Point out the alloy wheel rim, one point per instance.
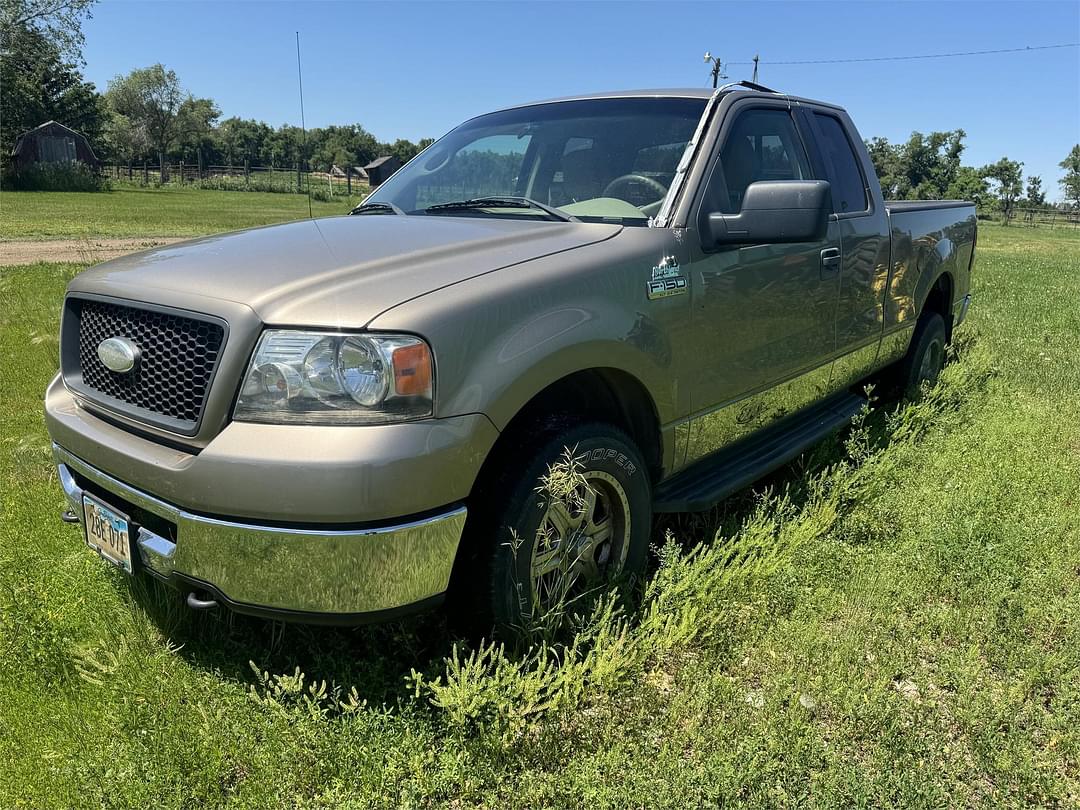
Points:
(582, 540)
(933, 359)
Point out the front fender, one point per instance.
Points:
(500, 339)
(498, 369)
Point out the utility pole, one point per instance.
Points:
(756, 57)
(717, 68)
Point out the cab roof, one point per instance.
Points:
(703, 93)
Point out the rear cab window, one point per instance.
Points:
(848, 184)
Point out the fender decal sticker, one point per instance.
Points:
(667, 280)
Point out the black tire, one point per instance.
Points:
(925, 357)
(508, 509)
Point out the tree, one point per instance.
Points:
(886, 160)
(39, 76)
(350, 145)
(237, 139)
(1007, 174)
(403, 149)
(1070, 183)
(969, 184)
(38, 86)
(921, 168)
(126, 140)
(59, 22)
(1034, 194)
(284, 147)
(152, 101)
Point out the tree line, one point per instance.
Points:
(928, 167)
(147, 115)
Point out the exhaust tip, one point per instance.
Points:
(195, 603)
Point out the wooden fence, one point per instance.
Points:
(1040, 217)
(268, 178)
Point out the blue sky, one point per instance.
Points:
(413, 69)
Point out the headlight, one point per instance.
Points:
(335, 378)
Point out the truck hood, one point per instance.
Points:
(334, 272)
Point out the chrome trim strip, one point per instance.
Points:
(960, 309)
(297, 569)
(716, 428)
(72, 490)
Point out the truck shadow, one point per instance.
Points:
(375, 659)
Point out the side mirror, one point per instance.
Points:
(775, 211)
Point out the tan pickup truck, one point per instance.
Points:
(345, 419)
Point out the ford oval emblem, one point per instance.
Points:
(118, 354)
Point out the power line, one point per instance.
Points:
(907, 58)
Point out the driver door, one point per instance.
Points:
(764, 315)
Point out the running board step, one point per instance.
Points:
(707, 482)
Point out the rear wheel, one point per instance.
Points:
(570, 514)
(925, 357)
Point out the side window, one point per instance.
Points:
(762, 145)
(848, 188)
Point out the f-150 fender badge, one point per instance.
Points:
(667, 279)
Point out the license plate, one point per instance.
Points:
(107, 532)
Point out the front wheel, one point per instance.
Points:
(572, 514)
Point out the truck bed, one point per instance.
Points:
(929, 238)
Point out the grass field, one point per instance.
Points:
(167, 211)
(894, 619)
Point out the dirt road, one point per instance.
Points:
(82, 251)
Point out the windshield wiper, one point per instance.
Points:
(501, 202)
(377, 208)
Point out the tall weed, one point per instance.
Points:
(69, 176)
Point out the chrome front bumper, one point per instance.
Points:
(298, 573)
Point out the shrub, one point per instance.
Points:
(282, 182)
(71, 176)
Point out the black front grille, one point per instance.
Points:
(177, 358)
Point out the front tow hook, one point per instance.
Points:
(195, 603)
(69, 517)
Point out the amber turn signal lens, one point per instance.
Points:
(412, 370)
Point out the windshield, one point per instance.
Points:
(596, 159)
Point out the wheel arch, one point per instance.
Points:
(939, 298)
(599, 393)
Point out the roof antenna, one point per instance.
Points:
(303, 125)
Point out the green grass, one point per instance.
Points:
(166, 211)
(892, 620)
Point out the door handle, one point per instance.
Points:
(830, 262)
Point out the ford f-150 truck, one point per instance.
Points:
(346, 419)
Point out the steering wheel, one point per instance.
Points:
(626, 179)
